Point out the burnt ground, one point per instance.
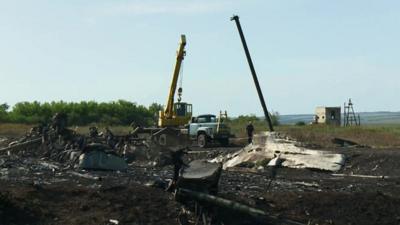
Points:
(75, 204)
(32, 192)
(356, 195)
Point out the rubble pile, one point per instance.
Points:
(268, 147)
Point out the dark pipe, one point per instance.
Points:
(253, 72)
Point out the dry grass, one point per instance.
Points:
(13, 130)
(378, 136)
(371, 135)
(238, 128)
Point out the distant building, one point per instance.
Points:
(327, 115)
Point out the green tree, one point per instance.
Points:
(3, 112)
(246, 118)
(275, 118)
(155, 108)
(119, 112)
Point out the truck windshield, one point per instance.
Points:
(206, 119)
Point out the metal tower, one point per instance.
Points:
(349, 116)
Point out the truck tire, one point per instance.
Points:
(202, 140)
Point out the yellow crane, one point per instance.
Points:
(179, 113)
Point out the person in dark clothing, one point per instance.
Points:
(177, 161)
(250, 130)
(93, 132)
(59, 122)
(109, 136)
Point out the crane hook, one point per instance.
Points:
(179, 94)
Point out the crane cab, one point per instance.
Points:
(182, 113)
(183, 109)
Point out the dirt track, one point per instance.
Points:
(44, 196)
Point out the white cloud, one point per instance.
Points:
(165, 7)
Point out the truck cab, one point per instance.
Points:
(209, 128)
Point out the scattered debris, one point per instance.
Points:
(267, 145)
(346, 143)
(200, 175)
(87, 176)
(361, 176)
(96, 157)
(114, 221)
(277, 161)
(197, 189)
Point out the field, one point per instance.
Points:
(13, 130)
(377, 136)
(364, 192)
(374, 135)
(367, 118)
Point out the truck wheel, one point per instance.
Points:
(202, 140)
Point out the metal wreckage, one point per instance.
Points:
(56, 148)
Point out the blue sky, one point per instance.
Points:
(306, 53)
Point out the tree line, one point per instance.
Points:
(119, 112)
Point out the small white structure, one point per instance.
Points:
(327, 115)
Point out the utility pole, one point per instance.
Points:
(253, 72)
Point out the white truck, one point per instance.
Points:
(207, 129)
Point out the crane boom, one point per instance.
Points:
(176, 114)
(179, 58)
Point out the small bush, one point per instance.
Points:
(300, 123)
(275, 116)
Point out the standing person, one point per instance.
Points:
(109, 136)
(177, 161)
(250, 130)
(59, 122)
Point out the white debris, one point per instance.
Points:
(50, 166)
(277, 161)
(3, 140)
(114, 221)
(283, 152)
